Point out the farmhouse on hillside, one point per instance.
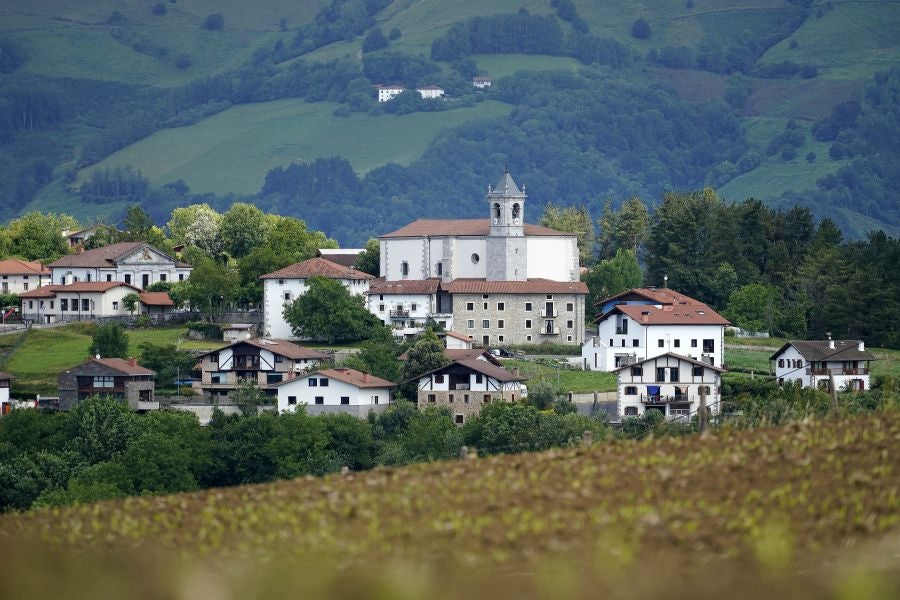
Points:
(116, 377)
(814, 363)
(645, 322)
(135, 263)
(669, 383)
(335, 391)
(497, 280)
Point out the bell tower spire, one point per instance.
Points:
(506, 244)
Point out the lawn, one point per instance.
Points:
(233, 150)
(569, 380)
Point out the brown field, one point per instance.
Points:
(803, 511)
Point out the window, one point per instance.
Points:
(87, 277)
(374, 399)
(568, 338)
(287, 296)
(527, 338)
(501, 306)
(404, 268)
(549, 296)
(479, 378)
(660, 343)
(25, 286)
(103, 381)
(320, 399)
(381, 308)
(528, 323)
(279, 358)
(637, 371)
(678, 343)
(673, 373)
(323, 382)
(432, 397)
(85, 304)
(631, 390)
(466, 398)
(470, 324)
(470, 306)
(273, 378)
(115, 305)
(780, 363)
(214, 357)
(631, 411)
(345, 399)
(500, 338)
(698, 371)
(31, 304)
(485, 296)
(52, 303)
(128, 279)
(571, 324)
(313, 382)
(660, 373)
(570, 306)
(475, 258)
(635, 343)
(109, 276)
(439, 268)
(528, 306)
(693, 343)
(73, 306)
(281, 282)
(459, 419)
(450, 398)
(487, 398)
(439, 379)
(162, 276)
(485, 324)
(181, 277)
(709, 346)
(484, 306)
(292, 400)
(500, 324)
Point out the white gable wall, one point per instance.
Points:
(331, 394)
(279, 292)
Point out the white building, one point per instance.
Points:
(136, 263)
(458, 341)
(430, 92)
(84, 300)
(465, 386)
(282, 287)
(389, 92)
(669, 383)
(482, 82)
(17, 276)
(646, 322)
(814, 363)
(335, 390)
(498, 280)
(5, 403)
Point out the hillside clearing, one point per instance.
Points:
(755, 507)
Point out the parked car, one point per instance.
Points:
(502, 353)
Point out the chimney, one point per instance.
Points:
(830, 343)
(665, 282)
(132, 361)
(365, 378)
(862, 346)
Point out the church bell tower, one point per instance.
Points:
(506, 245)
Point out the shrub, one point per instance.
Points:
(641, 29)
(183, 61)
(214, 22)
(159, 8)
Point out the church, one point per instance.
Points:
(498, 280)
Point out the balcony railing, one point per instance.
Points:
(399, 314)
(549, 331)
(621, 330)
(459, 386)
(664, 399)
(837, 372)
(549, 314)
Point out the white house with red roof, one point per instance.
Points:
(85, 301)
(498, 280)
(642, 323)
(136, 263)
(669, 383)
(282, 287)
(335, 390)
(17, 276)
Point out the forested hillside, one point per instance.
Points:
(113, 103)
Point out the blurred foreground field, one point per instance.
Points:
(807, 510)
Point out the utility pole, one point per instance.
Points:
(834, 399)
(701, 414)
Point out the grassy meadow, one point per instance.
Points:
(807, 510)
(233, 150)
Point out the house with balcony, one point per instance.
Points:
(668, 383)
(338, 390)
(282, 287)
(645, 322)
(465, 386)
(17, 276)
(122, 379)
(497, 280)
(137, 264)
(263, 360)
(815, 363)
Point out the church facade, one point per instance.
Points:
(498, 279)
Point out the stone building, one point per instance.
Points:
(117, 377)
(465, 386)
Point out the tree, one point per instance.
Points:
(374, 40)
(755, 307)
(183, 217)
(625, 228)
(291, 241)
(378, 355)
(641, 29)
(542, 394)
(110, 341)
(101, 427)
(259, 262)
(214, 22)
(38, 236)
(611, 276)
(329, 311)
(248, 397)
(131, 301)
(426, 355)
(210, 286)
(573, 219)
(137, 224)
(369, 260)
(167, 361)
(244, 227)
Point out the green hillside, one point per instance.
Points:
(233, 150)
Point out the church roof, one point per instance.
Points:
(530, 286)
(506, 186)
(462, 227)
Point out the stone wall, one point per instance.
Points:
(514, 317)
(455, 400)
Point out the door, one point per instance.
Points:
(486, 340)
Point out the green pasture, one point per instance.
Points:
(233, 150)
(501, 65)
(570, 380)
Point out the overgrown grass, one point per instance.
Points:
(566, 379)
(233, 150)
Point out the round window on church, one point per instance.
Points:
(475, 258)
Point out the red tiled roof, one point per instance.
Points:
(405, 286)
(15, 266)
(357, 378)
(317, 266)
(459, 336)
(462, 227)
(123, 366)
(686, 314)
(654, 295)
(531, 286)
(79, 286)
(104, 256)
(156, 299)
(673, 355)
(457, 354)
(45, 291)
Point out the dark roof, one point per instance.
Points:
(673, 355)
(650, 314)
(104, 256)
(506, 187)
(79, 286)
(456, 354)
(654, 295)
(819, 350)
(277, 346)
(530, 286)
(316, 266)
(346, 257)
(404, 286)
(121, 365)
(481, 366)
(351, 376)
(462, 227)
(6, 376)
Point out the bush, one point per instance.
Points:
(641, 29)
(159, 8)
(214, 22)
(811, 157)
(183, 61)
(394, 34)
